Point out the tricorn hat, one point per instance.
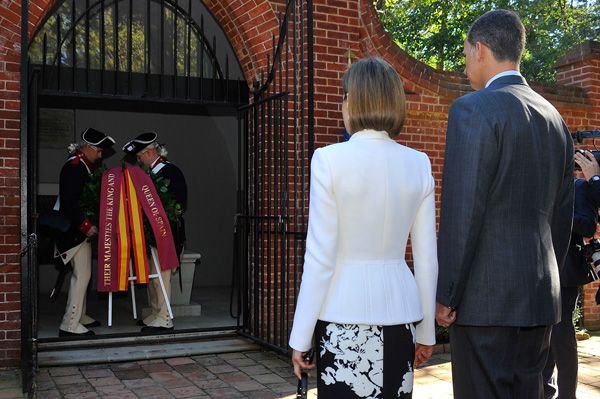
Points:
(96, 138)
(140, 142)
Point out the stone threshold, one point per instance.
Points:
(160, 348)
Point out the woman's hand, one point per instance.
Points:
(299, 363)
(422, 354)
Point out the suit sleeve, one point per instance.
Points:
(71, 182)
(423, 241)
(319, 259)
(585, 215)
(562, 217)
(595, 192)
(470, 165)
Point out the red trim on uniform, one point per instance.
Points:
(87, 161)
(85, 226)
(80, 157)
(76, 160)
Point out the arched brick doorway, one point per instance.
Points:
(70, 68)
(104, 64)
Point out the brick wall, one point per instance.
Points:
(249, 25)
(342, 29)
(9, 183)
(10, 201)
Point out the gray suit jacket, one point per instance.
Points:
(507, 207)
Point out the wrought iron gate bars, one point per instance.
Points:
(271, 224)
(28, 229)
(220, 90)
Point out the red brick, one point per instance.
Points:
(10, 287)
(11, 277)
(13, 335)
(10, 325)
(12, 297)
(9, 306)
(13, 315)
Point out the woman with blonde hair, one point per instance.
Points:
(372, 319)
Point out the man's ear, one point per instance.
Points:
(480, 51)
(484, 53)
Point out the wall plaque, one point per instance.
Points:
(56, 128)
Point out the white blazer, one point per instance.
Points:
(366, 196)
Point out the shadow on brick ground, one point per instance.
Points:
(256, 374)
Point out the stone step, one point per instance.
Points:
(127, 353)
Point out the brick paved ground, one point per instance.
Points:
(235, 375)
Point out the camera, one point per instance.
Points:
(591, 251)
(595, 153)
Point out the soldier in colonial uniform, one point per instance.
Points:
(74, 246)
(153, 155)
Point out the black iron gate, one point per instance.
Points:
(276, 143)
(142, 55)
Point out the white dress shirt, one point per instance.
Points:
(366, 196)
(510, 72)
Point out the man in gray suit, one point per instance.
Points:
(506, 214)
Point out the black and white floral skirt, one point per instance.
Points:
(354, 362)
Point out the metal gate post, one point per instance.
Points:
(28, 243)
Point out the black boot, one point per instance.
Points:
(94, 323)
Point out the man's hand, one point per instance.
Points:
(299, 363)
(444, 315)
(588, 164)
(422, 354)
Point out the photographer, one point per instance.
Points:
(563, 344)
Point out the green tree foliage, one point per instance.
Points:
(433, 31)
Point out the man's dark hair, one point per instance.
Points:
(501, 31)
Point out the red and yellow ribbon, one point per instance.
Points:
(125, 192)
(137, 231)
(124, 241)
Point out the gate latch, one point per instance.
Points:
(31, 242)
